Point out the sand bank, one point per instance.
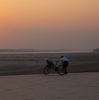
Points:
(19, 64)
(73, 86)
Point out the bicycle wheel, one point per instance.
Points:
(60, 70)
(47, 70)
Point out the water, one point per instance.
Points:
(45, 52)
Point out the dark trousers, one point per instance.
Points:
(65, 66)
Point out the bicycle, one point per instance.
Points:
(56, 68)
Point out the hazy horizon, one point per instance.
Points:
(49, 24)
(45, 49)
(1, 49)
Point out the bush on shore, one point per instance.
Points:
(96, 50)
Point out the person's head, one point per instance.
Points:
(62, 56)
(45, 59)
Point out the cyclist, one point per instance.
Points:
(65, 63)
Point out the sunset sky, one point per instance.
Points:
(49, 24)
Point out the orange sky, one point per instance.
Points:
(46, 14)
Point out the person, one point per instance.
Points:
(65, 63)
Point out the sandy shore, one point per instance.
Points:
(74, 86)
(22, 78)
(22, 64)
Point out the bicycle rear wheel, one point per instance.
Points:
(60, 70)
(47, 70)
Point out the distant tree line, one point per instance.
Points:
(96, 50)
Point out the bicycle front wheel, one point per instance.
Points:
(47, 70)
(60, 70)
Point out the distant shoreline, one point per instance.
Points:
(33, 51)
